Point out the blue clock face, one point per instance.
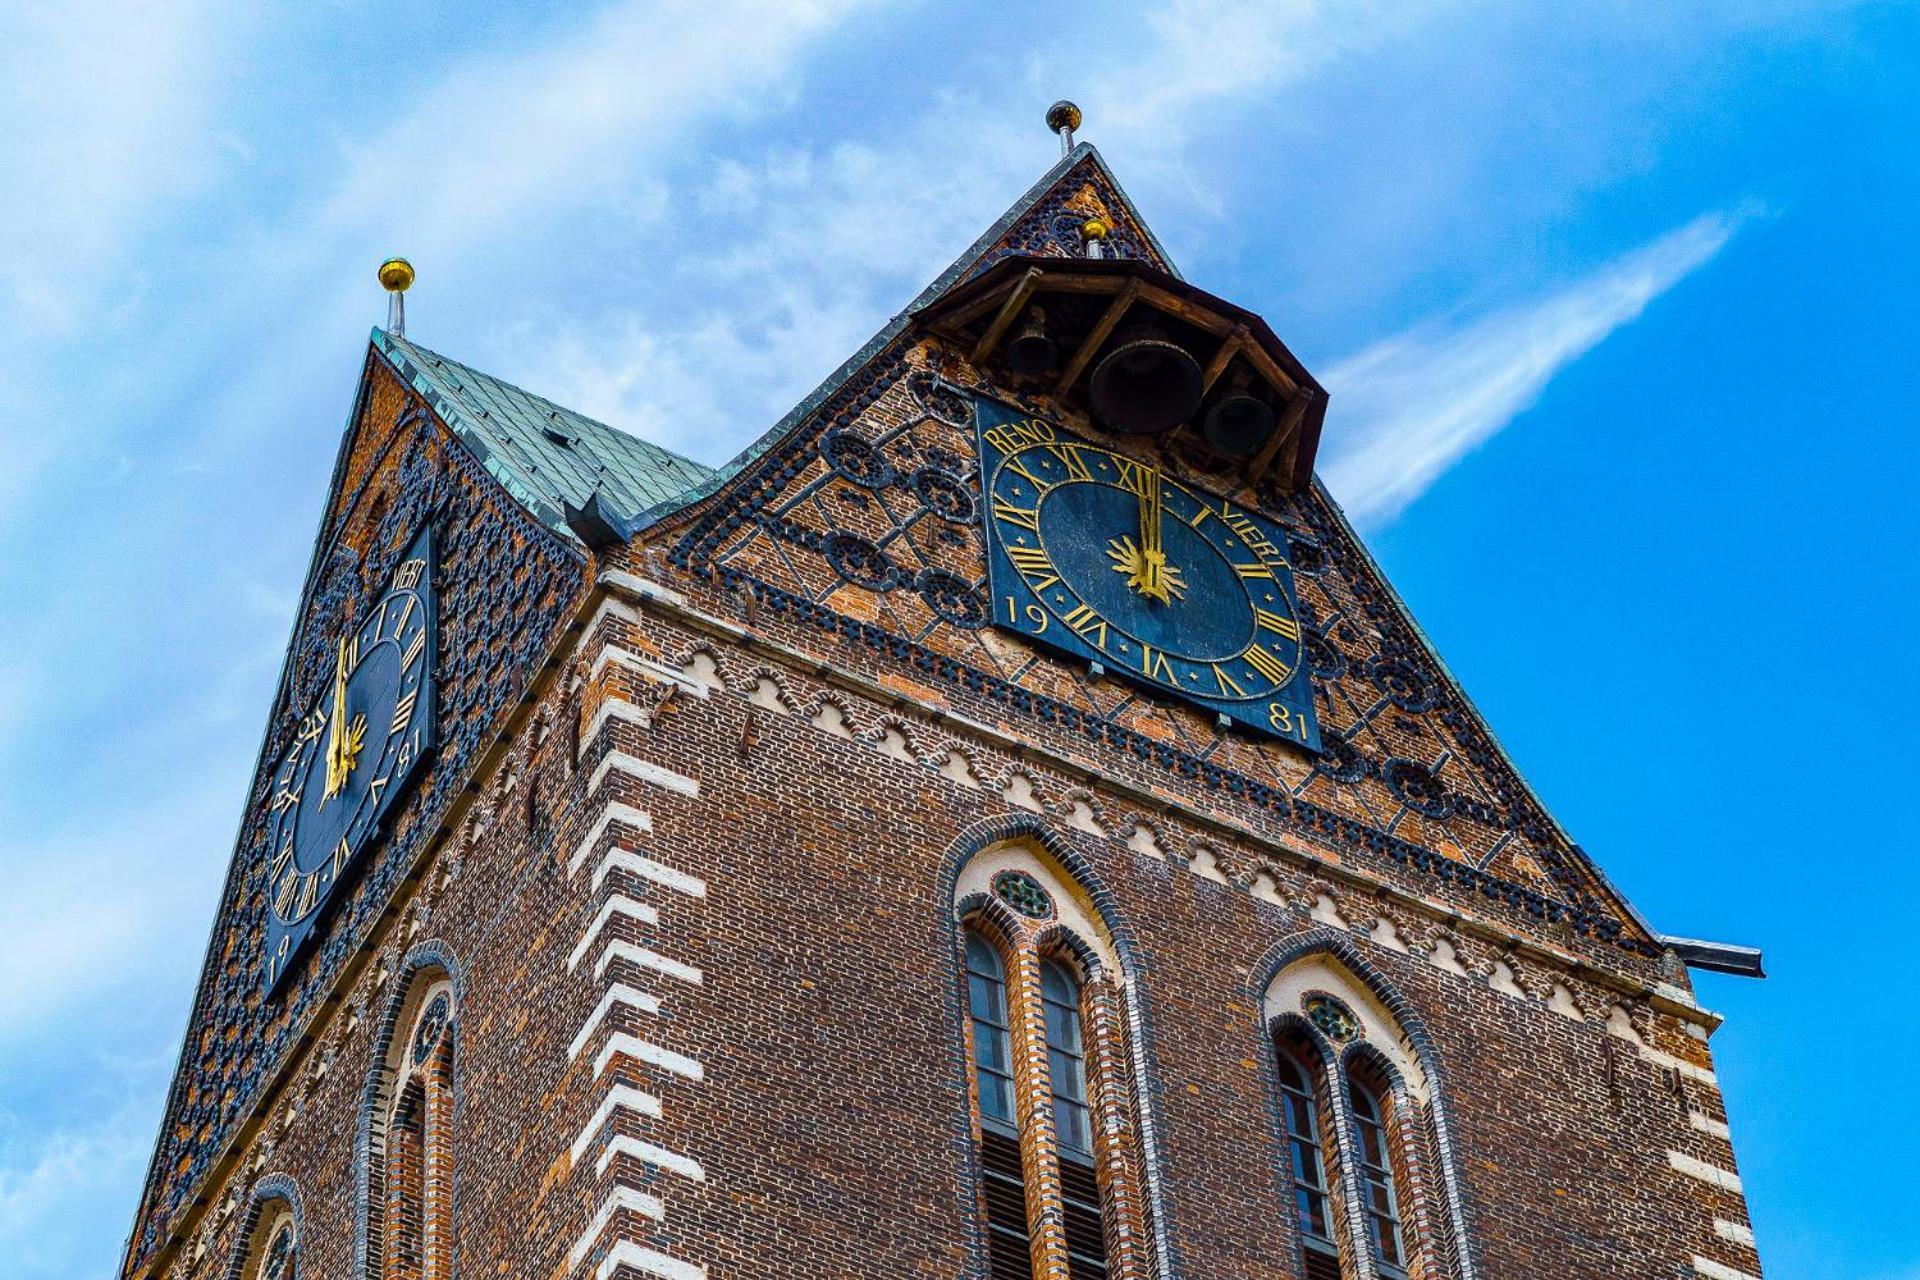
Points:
(354, 756)
(1099, 554)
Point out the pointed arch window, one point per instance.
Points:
(1061, 1178)
(992, 1041)
(1060, 998)
(1379, 1197)
(1307, 1162)
(1009, 1244)
(1359, 1109)
(272, 1250)
(410, 1152)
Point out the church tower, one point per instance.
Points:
(1000, 825)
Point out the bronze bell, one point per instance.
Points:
(1145, 384)
(1238, 422)
(1032, 352)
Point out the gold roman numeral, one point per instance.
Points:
(283, 894)
(1019, 468)
(1070, 459)
(1268, 620)
(309, 886)
(1229, 687)
(1087, 624)
(413, 649)
(1267, 665)
(1136, 477)
(403, 713)
(1027, 518)
(1255, 570)
(1033, 562)
(1206, 509)
(341, 853)
(1154, 665)
(350, 652)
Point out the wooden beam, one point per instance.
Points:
(1199, 317)
(1101, 331)
(1065, 281)
(1008, 311)
(1274, 373)
(1288, 428)
(1222, 358)
(960, 317)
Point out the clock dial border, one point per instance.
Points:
(1039, 590)
(298, 901)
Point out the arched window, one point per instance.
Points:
(1379, 1201)
(1072, 1121)
(1009, 1245)
(270, 1245)
(1361, 1109)
(410, 1151)
(1307, 1162)
(1062, 1173)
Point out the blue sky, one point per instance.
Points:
(1616, 302)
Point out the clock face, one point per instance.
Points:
(1099, 554)
(353, 758)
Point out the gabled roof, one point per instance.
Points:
(546, 456)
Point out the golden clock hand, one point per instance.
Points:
(337, 726)
(1152, 538)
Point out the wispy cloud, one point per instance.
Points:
(109, 107)
(1407, 408)
(54, 1180)
(816, 246)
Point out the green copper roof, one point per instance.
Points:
(545, 455)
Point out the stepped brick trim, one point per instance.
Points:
(618, 904)
(1693, 1167)
(621, 1097)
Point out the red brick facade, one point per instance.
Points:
(696, 900)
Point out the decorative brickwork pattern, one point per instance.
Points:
(712, 813)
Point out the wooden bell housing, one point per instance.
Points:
(1140, 352)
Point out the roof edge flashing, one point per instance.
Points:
(1716, 957)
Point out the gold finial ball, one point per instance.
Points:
(1063, 115)
(1096, 228)
(396, 275)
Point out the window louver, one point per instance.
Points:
(1008, 1252)
(1086, 1238)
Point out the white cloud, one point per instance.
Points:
(55, 1182)
(92, 906)
(110, 105)
(829, 241)
(1406, 409)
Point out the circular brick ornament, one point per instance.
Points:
(855, 458)
(942, 494)
(1335, 1021)
(952, 597)
(1023, 893)
(283, 1257)
(433, 1024)
(861, 563)
(1417, 787)
(1404, 685)
(939, 400)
